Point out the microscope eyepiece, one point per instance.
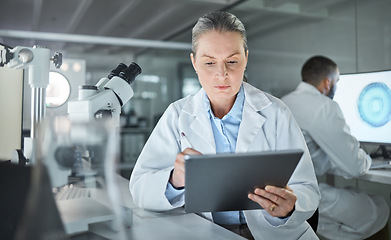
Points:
(117, 70)
(130, 73)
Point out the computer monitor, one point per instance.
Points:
(365, 100)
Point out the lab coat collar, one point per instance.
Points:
(306, 87)
(194, 103)
(258, 100)
(236, 110)
(252, 119)
(195, 107)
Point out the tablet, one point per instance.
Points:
(221, 182)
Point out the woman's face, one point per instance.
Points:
(220, 62)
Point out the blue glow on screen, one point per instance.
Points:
(374, 104)
(365, 101)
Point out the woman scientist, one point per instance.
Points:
(227, 115)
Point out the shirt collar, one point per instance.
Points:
(304, 86)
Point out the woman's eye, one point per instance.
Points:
(232, 62)
(209, 63)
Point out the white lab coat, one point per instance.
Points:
(266, 125)
(344, 213)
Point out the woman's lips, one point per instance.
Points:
(222, 87)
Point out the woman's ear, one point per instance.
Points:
(193, 61)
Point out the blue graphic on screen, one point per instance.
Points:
(365, 102)
(374, 104)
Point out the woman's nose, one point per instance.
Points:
(221, 71)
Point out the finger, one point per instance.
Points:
(288, 188)
(281, 196)
(285, 193)
(180, 162)
(269, 206)
(284, 202)
(180, 158)
(177, 178)
(268, 195)
(263, 202)
(191, 151)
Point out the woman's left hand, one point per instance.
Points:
(278, 202)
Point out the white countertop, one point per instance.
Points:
(147, 225)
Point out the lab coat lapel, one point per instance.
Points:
(200, 124)
(252, 119)
(249, 128)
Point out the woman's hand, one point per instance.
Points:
(177, 178)
(278, 202)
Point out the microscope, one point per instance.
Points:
(85, 148)
(61, 147)
(37, 61)
(93, 106)
(79, 143)
(104, 100)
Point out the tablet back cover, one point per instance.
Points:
(221, 182)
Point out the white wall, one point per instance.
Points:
(276, 56)
(374, 35)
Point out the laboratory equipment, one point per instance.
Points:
(73, 140)
(64, 82)
(82, 151)
(36, 60)
(81, 158)
(105, 99)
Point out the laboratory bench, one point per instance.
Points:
(378, 176)
(148, 225)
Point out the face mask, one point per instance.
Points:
(332, 91)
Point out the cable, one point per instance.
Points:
(381, 152)
(385, 154)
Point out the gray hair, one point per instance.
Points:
(218, 21)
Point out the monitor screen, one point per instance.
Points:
(365, 100)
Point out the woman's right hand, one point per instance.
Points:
(177, 178)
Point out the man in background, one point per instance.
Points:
(343, 213)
